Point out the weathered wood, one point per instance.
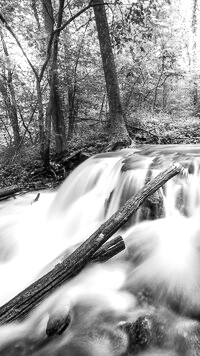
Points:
(21, 305)
(36, 199)
(7, 192)
(73, 159)
(109, 250)
(58, 322)
(104, 253)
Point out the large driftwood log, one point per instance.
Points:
(7, 192)
(25, 301)
(104, 253)
(108, 250)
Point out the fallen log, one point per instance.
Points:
(7, 192)
(69, 161)
(108, 250)
(57, 322)
(104, 253)
(29, 298)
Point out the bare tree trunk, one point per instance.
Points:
(48, 16)
(102, 105)
(164, 97)
(43, 151)
(58, 123)
(71, 111)
(194, 53)
(72, 91)
(56, 103)
(34, 7)
(54, 114)
(116, 125)
(9, 95)
(156, 90)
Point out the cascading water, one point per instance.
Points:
(144, 301)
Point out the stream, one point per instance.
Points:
(144, 301)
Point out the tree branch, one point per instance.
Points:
(57, 30)
(75, 16)
(19, 44)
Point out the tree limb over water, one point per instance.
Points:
(24, 302)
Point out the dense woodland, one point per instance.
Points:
(82, 76)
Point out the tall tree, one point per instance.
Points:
(38, 78)
(8, 92)
(194, 51)
(54, 109)
(117, 127)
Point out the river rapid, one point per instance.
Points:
(144, 301)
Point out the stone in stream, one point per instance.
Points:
(186, 336)
(57, 324)
(147, 331)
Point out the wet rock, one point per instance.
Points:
(145, 332)
(187, 338)
(57, 324)
(153, 208)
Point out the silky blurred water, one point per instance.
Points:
(157, 275)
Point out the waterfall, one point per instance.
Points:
(153, 286)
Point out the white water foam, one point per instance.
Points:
(163, 257)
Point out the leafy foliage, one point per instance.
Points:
(153, 43)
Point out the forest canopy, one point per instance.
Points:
(56, 85)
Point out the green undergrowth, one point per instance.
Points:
(24, 167)
(162, 128)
